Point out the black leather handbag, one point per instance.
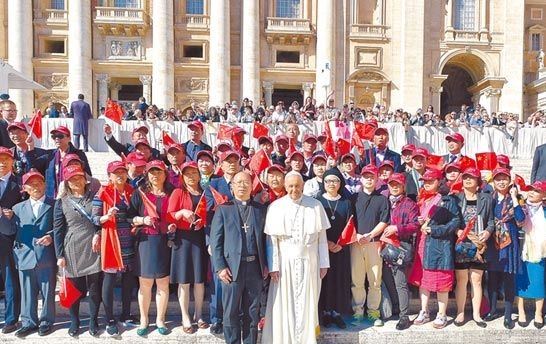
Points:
(398, 256)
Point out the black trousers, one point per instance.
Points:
(127, 286)
(242, 296)
(497, 279)
(92, 284)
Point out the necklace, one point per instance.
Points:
(245, 225)
(333, 217)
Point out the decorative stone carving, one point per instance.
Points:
(369, 57)
(193, 85)
(124, 49)
(540, 58)
(145, 79)
(54, 81)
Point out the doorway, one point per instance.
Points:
(287, 96)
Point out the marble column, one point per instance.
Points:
(102, 89)
(250, 51)
(219, 57)
(449, 16)
(268, 92)
(163, 53)
(114, 91)
(436, 90)
(325, 49)
(483, 15)
(492, 99)
(80, 72)
(20, 51)
(146, 81)
(307, 90)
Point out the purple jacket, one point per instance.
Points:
(404, 215)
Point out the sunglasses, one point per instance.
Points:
(58, 136)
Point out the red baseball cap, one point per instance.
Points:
(539, 185)
(7, 151)
(72, 171)
(69, 158)
(31, 174)
(386, 163)
(432, 174)
(189, 164)
(229, 153)
(196, 125)
(504, 160)
(177, 146)
(18, 125)
(457, 137)
(143, 142)
(281, 137)
(501, 170)
(398, 178)
(454, 165)
(156, 164)
(409, 147)
(201, 153)
(317, 157)
(61, 130)
(348, 155)
(291, 156)
(238, 130)
(224, 147)
(264, 139)
(381, 129)
(369, 169)
(473, 172)
(309, 136)
(420, 152)
(136, 159)
(115, 165)
(276, 167)
(141, 128)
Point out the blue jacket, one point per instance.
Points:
(389, 155)
(439, 251)
(29, 255)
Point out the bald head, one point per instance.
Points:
(241, 186)
(293, 183)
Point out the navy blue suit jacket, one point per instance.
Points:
(226, 236)
(538, 171)
(389, 155)
(125, 149)
(29, 255)
(10, 197)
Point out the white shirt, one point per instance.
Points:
(4, 182)
(36, 204)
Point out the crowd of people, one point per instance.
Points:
(289, 237)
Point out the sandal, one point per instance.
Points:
(188, 330)
(202, 324)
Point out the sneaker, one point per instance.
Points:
(422, 318)
(403, 324)
(439, 322)
(375, 319)
(112, 328)
(358, 318)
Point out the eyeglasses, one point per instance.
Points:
(331, 181)
(9, 110)
(242, 183)
(58, 136)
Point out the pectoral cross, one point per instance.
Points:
(245, 227)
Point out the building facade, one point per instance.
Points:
(397, 53)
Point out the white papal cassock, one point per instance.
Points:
(297, 248)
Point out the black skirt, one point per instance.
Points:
(152, 256)
(189, 257)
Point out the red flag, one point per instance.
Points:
(167, 139)
(392, 239)
(466, 162)
(343, 147)
(224, 132)
(257, 185)
(113, 111)
(237, 142)
(435, 161)
(486, 161)
(259, 130)
(365, 130)
(36, 124)
(68, 293)
(149, 205)
(330, 147)
(456, 187)
(259, 162)
(466, 230)
(201, 210)
(218, 197)
(520, 182)
(356, 141)
(291, 146)
(348, 236)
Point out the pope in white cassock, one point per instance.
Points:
(298, 259)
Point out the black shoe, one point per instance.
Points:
(491, 316)
(44, 330)
(25, 331)
(523, 323)
(538, 325)
(481, 323)
(129, 321)
(403, 323)
(112, 328)
(74, 330)
(508, 324)
(326, 320)
(9, 328)
(338, 320)
(93, 328)
(217, 328)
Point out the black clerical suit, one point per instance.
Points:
(238, 243)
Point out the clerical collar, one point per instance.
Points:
(239, 202)
(330, 198)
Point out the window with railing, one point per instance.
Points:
(57, 5)
(536, 41)
(464, 15)
(195, 7)
(288, 8)
(126, 3)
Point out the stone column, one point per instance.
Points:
(163, 53)
(325, 48)
(114, 91)
(493, 96)
(102, 89)
(436, 90)
(268, 92)
(80, 72)
(483, 15)
(354, 14)
(146, 81)
(219, 57)
(307, 90)
(20, 51)
(250, 51)
(449, 16)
